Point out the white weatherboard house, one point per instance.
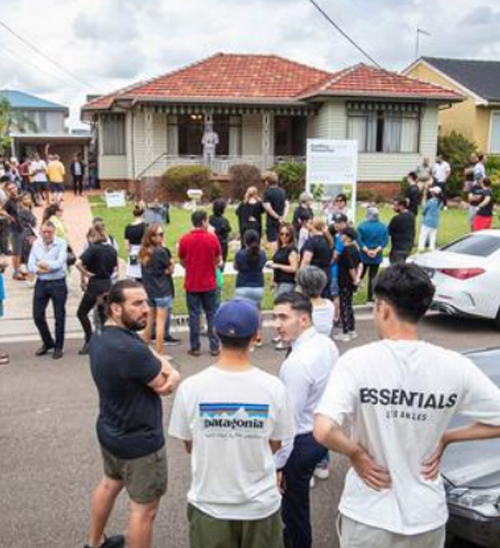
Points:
(263, 108)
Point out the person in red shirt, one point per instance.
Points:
(200, 253)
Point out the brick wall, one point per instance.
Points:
(150, 188)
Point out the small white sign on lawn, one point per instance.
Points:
(115, 198)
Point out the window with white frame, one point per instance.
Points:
(495, 133)
(113, 135)
(384, 127)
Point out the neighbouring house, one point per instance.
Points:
(263, 108)
(43, 123)
(478, 117)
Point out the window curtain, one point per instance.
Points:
(392, 133)
(113, 136)
(409, 134)
(357, 131)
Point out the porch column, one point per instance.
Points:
(266, 140)
(148, 137)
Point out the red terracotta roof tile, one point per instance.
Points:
(269, 77)
(366, 80)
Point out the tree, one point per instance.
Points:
(12, 119)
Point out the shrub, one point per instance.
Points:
(179, 179)
(292, 177)
(364, 195)
(456, 150)
(243, 176)
(492, 164)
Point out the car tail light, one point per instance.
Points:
(462, 273)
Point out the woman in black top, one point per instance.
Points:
(221, 227)
(318, 251)
(285, 261)
(97, 264)
(249, 213)
(134, 232)
(157, 269)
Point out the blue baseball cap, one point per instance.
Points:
(238, 318)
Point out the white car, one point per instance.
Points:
(466, 274)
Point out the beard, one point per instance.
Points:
(134, 324)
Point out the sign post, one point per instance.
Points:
(332, 168)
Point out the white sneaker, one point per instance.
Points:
(311, 483)
(281, 346)
(342, 337)
(322, 472)
(276, 340)
(353, 334)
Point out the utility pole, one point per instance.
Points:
(417, 44)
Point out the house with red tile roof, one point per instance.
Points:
(262, 109)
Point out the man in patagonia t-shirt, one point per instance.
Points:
(232, 417)
(400, 394)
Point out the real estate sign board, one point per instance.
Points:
(332, 168)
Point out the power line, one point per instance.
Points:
(31, 63)
(344, 34)
(41, 53)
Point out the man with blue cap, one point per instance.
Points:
(232, 417)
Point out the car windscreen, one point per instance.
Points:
(477, 245)
(475, 464)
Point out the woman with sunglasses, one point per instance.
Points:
(157, 268)
(285, 265)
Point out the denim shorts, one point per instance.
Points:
(161, 302)
(255, 294)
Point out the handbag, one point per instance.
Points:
(71, 257)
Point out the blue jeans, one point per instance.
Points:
(207, 301)
(57, 292)
(297, 474)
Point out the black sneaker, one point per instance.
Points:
(58, 354)
(116, 541)
(172, 341)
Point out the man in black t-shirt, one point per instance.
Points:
(402, 232)
(276, 206)
(10, 211)
(130, 379)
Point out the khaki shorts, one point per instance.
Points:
(145, 478)
(353, 534)
(208, 532)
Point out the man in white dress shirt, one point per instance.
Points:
(305, 373)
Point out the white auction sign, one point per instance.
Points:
(115, 198)
(332, 168)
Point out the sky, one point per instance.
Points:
(109, 44)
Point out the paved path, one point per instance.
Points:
(17, 324)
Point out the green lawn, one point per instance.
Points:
(453, 225)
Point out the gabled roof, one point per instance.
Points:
(480, 77)
(25, 101)
(367, 81)
(270, 79)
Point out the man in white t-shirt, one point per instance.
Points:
(232, 417)
(38, 170)
(400, 394)
(305, 373)
(441, 172)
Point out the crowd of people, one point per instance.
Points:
(256, 441)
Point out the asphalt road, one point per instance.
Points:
(49, 459)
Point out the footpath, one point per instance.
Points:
(17, 324)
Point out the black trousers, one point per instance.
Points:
(57, 292)
(346, 309)
(78, 184)
(89, 300)
(372, 270)
(295, 506)
(398, 256)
